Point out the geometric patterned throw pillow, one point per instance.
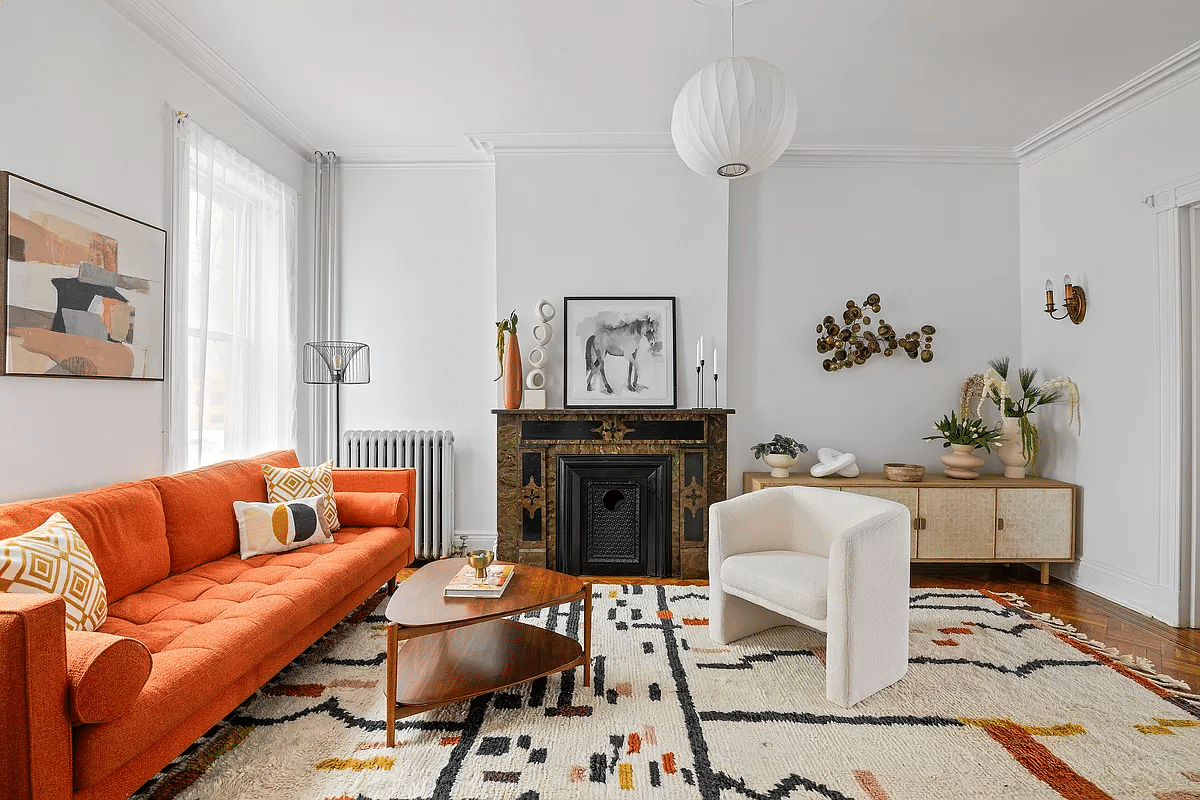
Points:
(292, 483)
(279, 527)
(54, 559)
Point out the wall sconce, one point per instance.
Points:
(1074, 301)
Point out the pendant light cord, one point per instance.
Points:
(732, 50)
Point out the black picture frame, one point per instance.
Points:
(647, 379)
(118, 331)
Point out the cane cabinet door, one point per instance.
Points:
(956, 523)
(1035, 523)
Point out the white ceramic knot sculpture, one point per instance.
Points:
(832, 461)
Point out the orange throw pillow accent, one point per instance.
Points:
(105, 673)
(370, 509)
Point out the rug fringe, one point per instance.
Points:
(1143, 666)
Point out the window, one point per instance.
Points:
(233, 375)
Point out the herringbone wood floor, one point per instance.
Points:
(1173, 651)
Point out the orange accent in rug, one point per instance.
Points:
(870, 785)
(1042, 764)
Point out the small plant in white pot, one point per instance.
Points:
(963, 436)
(780, 454)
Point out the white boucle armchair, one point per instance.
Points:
(833, 561)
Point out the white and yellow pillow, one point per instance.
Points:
(54, 559)
(293, 483)
(279, 527)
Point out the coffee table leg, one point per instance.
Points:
(393, 632)
(587, 634)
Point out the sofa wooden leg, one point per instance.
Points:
(391, 586)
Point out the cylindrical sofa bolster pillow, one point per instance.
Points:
(105, 673)
(368, 509)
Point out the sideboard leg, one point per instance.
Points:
(1045, 572)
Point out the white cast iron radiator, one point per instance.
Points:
(431, 453)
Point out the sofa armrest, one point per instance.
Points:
(402, 481)
(868, 605)
(35, 739)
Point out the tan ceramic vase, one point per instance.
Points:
(961, 462)
(514, 380)
(1009, 448)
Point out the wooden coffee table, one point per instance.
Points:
(459, 647)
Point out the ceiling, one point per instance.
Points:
(974, 73)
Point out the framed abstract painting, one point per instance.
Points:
(619, 352)
(82, 288)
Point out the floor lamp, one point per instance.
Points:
(337, 363)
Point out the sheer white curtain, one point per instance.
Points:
(326, 295)
(233, 307)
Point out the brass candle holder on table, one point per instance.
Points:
(480, 560)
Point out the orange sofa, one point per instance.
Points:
(192, 629)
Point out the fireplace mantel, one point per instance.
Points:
(529, 441)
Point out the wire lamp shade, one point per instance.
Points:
(337, 362)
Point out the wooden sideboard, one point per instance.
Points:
(989, 519)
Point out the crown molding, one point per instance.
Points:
(575, 143)
(492, 144)
(1162, 79)
(411, 157)
(851, 155)
(153, 19)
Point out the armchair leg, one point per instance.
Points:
(731, 618)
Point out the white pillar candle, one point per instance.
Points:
(697, 355)
(715, 370)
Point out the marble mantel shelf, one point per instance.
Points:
(550, 412)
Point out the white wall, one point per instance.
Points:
(1082, 213)
(938, 242)
(419, 287)
(620, 223)
(85, 112)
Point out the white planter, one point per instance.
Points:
(779, 463)
(1009, 448)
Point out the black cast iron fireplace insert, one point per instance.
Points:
(614, 515)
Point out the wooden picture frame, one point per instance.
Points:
(619, 352)
(83, 289)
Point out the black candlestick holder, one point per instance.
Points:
(700, 385)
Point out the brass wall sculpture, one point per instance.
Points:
(853, 343)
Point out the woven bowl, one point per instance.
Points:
(906, 473)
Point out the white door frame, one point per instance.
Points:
(1174, 206)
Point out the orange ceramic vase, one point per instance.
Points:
(514, 381)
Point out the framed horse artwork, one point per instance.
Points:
(619, 352)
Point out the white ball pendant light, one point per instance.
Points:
(736, 116)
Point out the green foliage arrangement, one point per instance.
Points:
(509, 325)
(996, 389)
(779, 445)
(965, 431)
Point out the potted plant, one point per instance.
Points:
(963, 436)
(780, 454)
(1015, 411)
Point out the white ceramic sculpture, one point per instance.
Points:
(535, 379)
(830, 462)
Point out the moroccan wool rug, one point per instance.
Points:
(999, 702)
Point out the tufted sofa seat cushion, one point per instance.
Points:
(219, 620)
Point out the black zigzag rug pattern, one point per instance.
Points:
(999, 702)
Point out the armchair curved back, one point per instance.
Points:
(820, 515)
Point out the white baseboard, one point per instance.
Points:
(1158, 602)
(476, 540)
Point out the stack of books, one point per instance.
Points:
(465, 584)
